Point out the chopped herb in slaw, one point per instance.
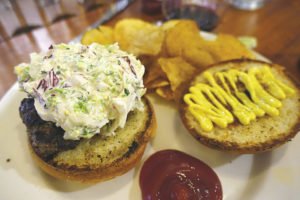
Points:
(86, 90)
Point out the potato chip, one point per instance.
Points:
(165, 92)
(138, 37)
(188, 44)
(147, 60)
(102, 35)
(182, 35)
(159, 82)
(169, 24)
(166, 27)
(153, 72)
(229, 47)
(224, 47)
(177, 70)
(198, 57)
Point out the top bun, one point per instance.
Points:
(262, 134)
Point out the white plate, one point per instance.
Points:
(272, 175)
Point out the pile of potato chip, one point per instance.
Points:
(171, 53)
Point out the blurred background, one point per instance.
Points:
(23, 16)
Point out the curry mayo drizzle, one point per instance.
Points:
(236, 94)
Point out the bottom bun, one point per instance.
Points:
(102, 158)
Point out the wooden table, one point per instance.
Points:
(276, 26)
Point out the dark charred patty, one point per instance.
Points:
(46, 138)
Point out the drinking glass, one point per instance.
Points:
(151, 6)
(204, 12)
(248, 4)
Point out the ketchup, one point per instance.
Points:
(174, 175)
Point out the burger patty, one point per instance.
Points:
(44, 136)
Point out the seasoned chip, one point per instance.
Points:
(182, 35)
(159, 82)
(166, 27)
(169, 24)
(102, 35)
(147, 60)
(139, 37)
(153, 72)
(165, 92)
(177, 70)
(229, 47)
(198, 56)
(225, 47)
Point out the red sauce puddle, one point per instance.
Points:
(174, 175)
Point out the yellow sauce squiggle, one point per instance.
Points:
(236, 94)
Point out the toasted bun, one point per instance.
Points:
(261, 135)
(102, 158)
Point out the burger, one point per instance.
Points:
(86, 115)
